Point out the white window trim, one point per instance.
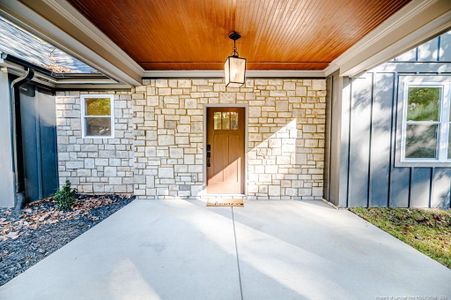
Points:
(83, 115)
(442, 82)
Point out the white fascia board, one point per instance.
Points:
(80, 21)
(31, 21)
(220, 74)
(413, 24)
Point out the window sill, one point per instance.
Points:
(423, 164)
(98, 137)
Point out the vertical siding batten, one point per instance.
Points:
(368, 196)
(392, 138)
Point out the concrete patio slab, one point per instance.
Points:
(266, 250)
(147, 250)
(308, 250)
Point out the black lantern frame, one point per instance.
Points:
(234, 62)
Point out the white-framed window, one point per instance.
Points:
(424, 121)
(97, 116)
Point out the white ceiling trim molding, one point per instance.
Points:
(31, 21)
(413, 24)
(220, 74)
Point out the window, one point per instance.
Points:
(225, 120)
(97, 116)
(425, 128)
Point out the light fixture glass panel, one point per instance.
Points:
(235, 69)
(227, 72)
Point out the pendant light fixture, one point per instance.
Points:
(235, 66)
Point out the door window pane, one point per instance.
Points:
(421, 141)
(217, 120)
(96, 126)
(225, 120)
(423, 104)
(98, 107)
(234, 120)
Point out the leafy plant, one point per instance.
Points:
(65, 196)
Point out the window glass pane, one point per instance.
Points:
(225, 120)
(421, 141)
(217, 120)
(424, 104)
(98, 107)
(98, 126)
(234, 120)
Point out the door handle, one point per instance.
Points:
(208, 155)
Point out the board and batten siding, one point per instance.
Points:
(361, 136)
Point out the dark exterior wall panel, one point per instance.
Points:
(38, 128)
(30, 124)
(48, 153)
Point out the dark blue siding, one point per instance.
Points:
(38, 127)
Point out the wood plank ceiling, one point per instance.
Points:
(276, 34)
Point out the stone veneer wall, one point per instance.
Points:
(158, 149)
(286, 122)
(95, 165)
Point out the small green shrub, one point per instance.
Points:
(65, 197)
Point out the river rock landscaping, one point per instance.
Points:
(40, 228)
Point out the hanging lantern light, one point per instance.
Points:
(235, 66)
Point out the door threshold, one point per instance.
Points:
(225, 199)
(224, 195)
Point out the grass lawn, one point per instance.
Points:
(427, 230)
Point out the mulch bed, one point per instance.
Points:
(40, 229)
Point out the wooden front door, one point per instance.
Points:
(225, 150)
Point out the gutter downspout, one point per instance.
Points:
(15, 84)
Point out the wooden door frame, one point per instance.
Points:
(204, 151)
